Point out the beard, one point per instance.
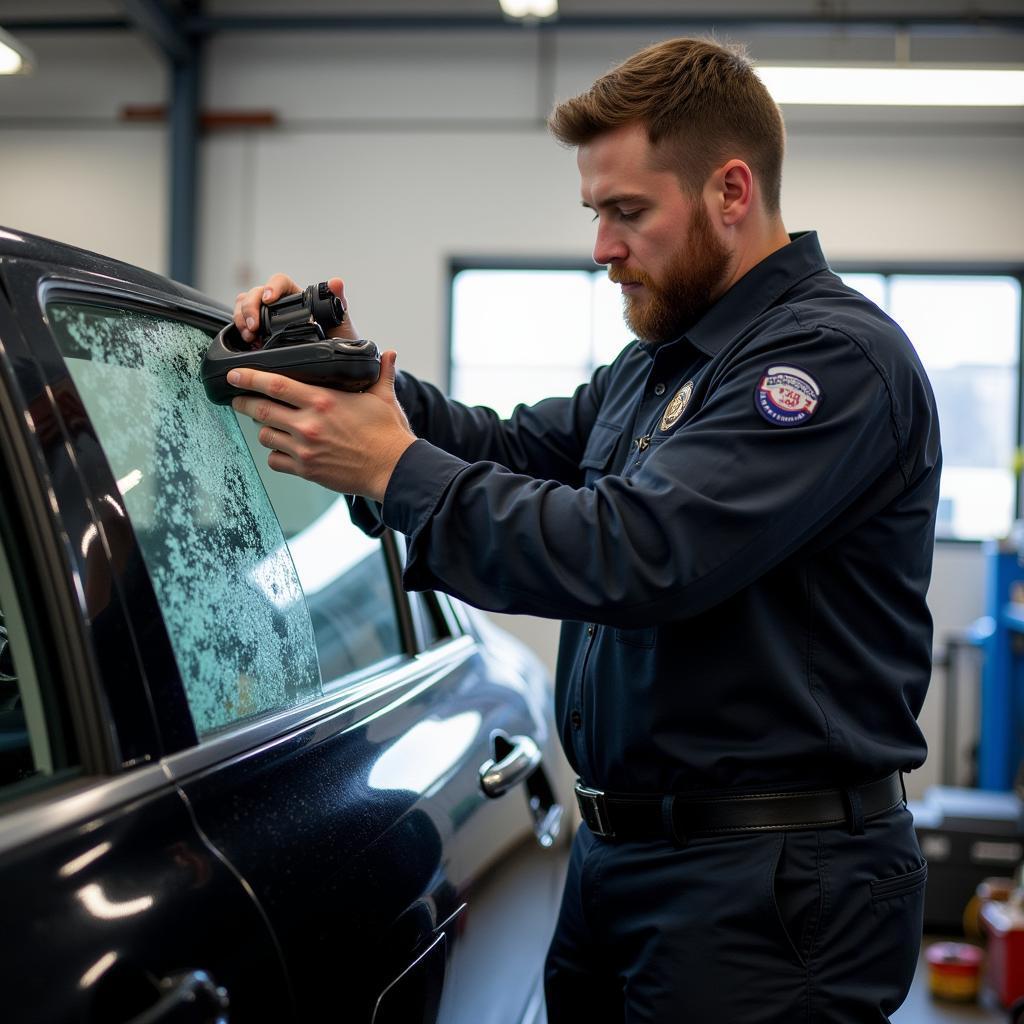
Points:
(668, 308)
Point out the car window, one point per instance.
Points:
(33, 744)
(344, 573)
(222, 573)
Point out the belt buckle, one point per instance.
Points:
(594, 810)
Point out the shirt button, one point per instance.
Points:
(590, 630)
(659, 389)
(576, 719)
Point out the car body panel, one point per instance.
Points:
(97, 914)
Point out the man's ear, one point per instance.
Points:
(734, 191)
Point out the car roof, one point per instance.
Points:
(23, 245)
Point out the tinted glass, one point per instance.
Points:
(221, 570)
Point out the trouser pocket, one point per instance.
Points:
(896, 886)
(796, 891)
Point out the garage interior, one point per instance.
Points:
(395, 143)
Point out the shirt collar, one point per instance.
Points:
(760, 288)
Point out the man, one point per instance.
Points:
(735, 520)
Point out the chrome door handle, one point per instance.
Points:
(498, 777)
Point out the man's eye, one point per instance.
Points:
(621, 214)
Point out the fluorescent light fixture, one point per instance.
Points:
(15, 58)
(529, 8)
(908, 87)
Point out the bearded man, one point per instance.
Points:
(735, 520)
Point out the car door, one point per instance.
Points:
(496, 862)
(115, 907)
(340, 779)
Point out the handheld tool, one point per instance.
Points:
(292, 341)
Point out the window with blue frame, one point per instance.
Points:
(519, 334)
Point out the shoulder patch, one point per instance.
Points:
(787, 395)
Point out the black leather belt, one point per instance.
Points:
(679, 817)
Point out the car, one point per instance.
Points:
(244, 775)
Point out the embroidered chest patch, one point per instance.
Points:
(787, 395)
(676, 407)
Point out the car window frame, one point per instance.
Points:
(35, 537)
(159, 678)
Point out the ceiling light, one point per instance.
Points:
(909, 87)
(529, 8)
(15, 58)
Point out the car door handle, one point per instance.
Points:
(190, 997)
(523, 758)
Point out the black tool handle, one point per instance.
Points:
(329, 362)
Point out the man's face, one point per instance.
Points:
(658, 243)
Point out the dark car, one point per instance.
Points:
(245, 776)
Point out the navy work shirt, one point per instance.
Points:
(737, 528)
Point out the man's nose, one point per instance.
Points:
(608, 246)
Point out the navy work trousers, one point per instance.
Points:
(796, 927)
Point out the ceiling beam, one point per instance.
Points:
(67, 24)
(162, 27)
(209, 24)
(182, 50)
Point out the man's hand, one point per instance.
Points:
(348, 442)
(247, 306)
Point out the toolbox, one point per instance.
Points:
(1003, 924)
(966, 835)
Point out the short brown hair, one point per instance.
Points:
(702, 102)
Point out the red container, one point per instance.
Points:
(954, 971)
(1003, 923)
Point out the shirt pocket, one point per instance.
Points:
(599, 453)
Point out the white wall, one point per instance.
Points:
(395, 153)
